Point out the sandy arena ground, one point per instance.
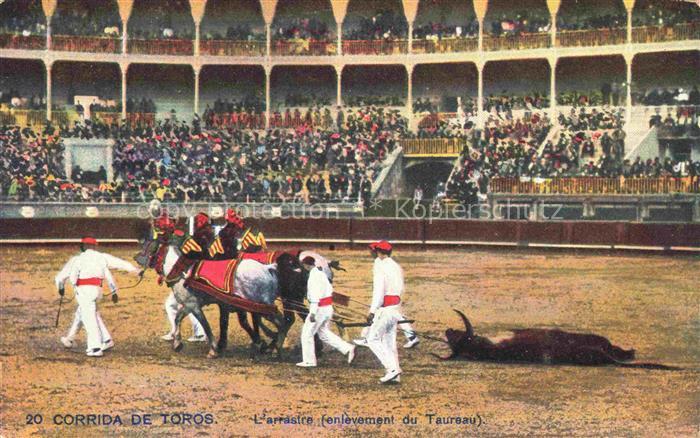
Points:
(650, 303)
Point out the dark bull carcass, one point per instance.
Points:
(541, 346)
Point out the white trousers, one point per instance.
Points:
(405, 327)
(322, 328)
(87, 297)
(171, 308)
(381, 338)
(77, 323)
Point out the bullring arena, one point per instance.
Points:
(533, 166)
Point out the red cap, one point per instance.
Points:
(88, 241)
(179, 233)
(233, 218)
(308, 260)
(200, 220)
(382, 245)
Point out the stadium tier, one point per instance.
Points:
(279, 101)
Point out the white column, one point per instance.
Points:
(552, 88)
(268, 30)
(480, 94)
(196, 40)
(340, 38)
(48, 91)
(628, 61)
(48, 33)
(196, 88)
(268, 72)
(481, 35)
(629, 26)
(125, 36)
(124, 69)
(339, 91)
(410, 37)
(554, 30)
(409, 97)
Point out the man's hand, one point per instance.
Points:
(312, 318)
(61, 290)
(115, 297)
(370, 318)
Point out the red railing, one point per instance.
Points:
(595, 185)
(513, 42)
(432, 120)
(143, 119)
(656, 34)
(591, 37)
(86, 44)
(378, 47)
(238, 120)
(161, 47)
(446, 45)
(20, 42)
(303, 48)
(233, 48)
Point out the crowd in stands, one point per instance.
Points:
(679, 123)
(668, 96)
(665, 13)
(519, 22)
(296, 29)
(373, 100)
(176, 161)
(15, 100)
(86, 21)
(22, 18)
(237, 32)
(506, 102)
(438, 31)
(294, 100)
(142, 105)
(585, 21)
(383, 25)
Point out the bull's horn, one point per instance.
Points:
(467, 324)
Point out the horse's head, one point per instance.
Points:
(292, 278)
(146, 258)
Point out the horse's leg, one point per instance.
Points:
(199, 314)
(182, 311)
(224, 311)
(256, 343)
(280, 322)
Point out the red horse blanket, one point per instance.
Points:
(217, 277)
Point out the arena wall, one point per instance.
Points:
(417, 233)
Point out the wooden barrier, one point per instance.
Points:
(595, 185)
(433, 146)
(413, 232)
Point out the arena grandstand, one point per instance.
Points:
(352, 104)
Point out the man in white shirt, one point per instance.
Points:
(385, 310)
(320, 297)
(87, 272)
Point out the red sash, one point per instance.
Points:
(391, 300)
(93, 281)
(325, 302)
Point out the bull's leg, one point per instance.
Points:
(223, 327)
(199, 314)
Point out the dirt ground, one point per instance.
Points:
(650, 303)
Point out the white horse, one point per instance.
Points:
(253, 281)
